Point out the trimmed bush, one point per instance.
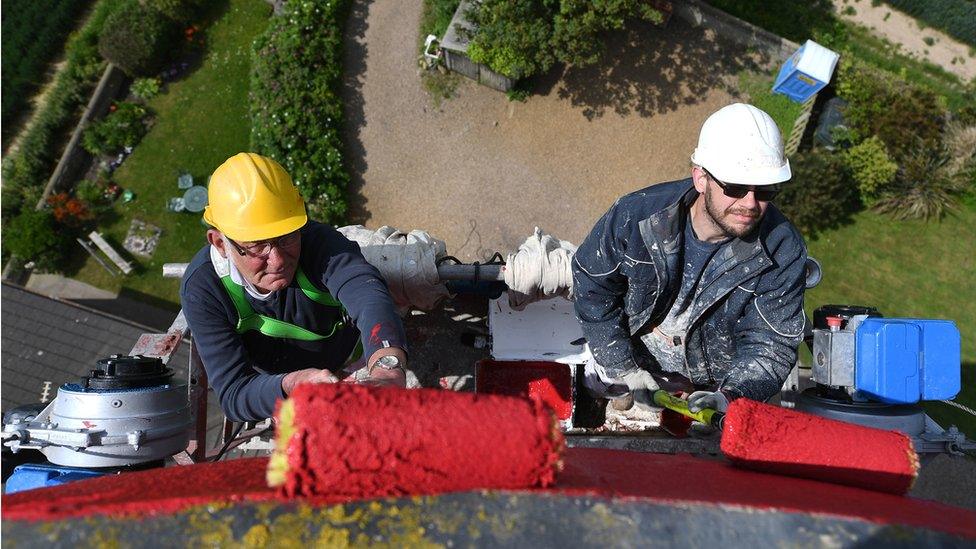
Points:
(871, 167)
(821, 195)
(138, 39)
(124, 127)
(296, 111)
(35, 236)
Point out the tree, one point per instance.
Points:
(35, 236)
(138, 39)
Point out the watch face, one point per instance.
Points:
(388, 362)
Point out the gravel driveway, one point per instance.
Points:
(481, 171)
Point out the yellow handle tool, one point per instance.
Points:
(705, 415)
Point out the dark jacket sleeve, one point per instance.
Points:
(772, 326)
(599, 288)
(362, 291)
(245, 394)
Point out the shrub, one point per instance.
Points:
(122, 128)
(69, 211)
(145, 88)
(138, 39)
(871, 167)
(519, 38)
(35, 236)
(960, 140)
(926, 186)
(821, 195)
(296, 110)
(880, 104)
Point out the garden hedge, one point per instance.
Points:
(296, 110)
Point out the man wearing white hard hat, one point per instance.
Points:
(698, 284)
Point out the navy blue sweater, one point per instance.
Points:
(245, 370)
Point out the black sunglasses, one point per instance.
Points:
(763, 193)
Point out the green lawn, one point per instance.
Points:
(908, 269)
(783, 110)
(200, 121)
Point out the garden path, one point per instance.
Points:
(480, 171)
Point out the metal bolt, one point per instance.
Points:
(116, 404)
(821, 359)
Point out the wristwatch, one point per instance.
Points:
(387, 362)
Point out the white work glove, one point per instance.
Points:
(699, 400)
(642, 385)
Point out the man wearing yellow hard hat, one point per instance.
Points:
(274, 299)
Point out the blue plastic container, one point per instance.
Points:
(905, 360)
(806, 72)
(40, 475)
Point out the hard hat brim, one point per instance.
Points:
(263, 232)
(757, 177)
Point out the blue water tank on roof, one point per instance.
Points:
(904, 360)
(806, 72)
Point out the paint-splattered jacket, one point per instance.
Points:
(245, 370)
(747, 320)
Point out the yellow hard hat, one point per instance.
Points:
(251, 197)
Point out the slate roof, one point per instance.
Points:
(45, 339)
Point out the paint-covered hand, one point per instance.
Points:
(642, 385)
(381, 377)
(716, 400)
(308, 375)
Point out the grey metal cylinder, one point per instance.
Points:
(110, 429)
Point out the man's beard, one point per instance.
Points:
(721, 219)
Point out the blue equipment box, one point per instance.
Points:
(40, 475)
(806, 72)
(904, 360)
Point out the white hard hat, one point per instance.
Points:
(741, 144)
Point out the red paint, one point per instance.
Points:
(657, 478)
(144, 492)
(358, 441)
(374, 334)
(787, 442)
(549, 381)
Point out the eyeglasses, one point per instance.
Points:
(262, 249)
(763, 193)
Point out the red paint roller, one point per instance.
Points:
(357, 441)
(786, 442)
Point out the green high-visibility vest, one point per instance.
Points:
(248, 319)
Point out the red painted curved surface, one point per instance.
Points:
(608, 473)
